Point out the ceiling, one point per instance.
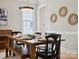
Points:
(41, 1)
(33, 1)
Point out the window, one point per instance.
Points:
(27, 22)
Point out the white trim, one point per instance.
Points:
(38, 20)
(39, 7)
(61, 32)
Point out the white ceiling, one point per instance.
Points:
(33, 1)
(41, 1)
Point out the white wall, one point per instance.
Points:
(69, 32)
(14, 14)
(41, 2)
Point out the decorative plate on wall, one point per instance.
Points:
(53, 18)
(63, 11)
(73, 19)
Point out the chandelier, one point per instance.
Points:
(26, 8)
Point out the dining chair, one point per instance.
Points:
(4, 41)
(16, 50)
(22, 52)
(38, 34)
(14, 33)
(52, 50)
(19, 46)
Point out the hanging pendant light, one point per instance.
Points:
(26, 8)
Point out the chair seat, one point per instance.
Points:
(42, 54)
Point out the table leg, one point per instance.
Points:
(32, 52)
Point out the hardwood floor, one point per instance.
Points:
(64, 55)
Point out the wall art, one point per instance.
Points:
(63, 11)
(53, 18)
(3, 16)
(73, 19)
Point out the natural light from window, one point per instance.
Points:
(27, 21)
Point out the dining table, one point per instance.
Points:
(32, 44)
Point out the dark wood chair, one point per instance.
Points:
(52, 50)
(4, 40)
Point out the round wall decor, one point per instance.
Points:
(63, 11)
(73, 19)
(53, 18)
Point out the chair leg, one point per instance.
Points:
(9, 52)
(36, 57)
(13, 54)
(6, 52)
(23, 58)
(58, 57)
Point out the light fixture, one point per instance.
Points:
(26, 8)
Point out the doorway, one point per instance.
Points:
(42, 18)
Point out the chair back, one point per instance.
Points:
(54, 47)
(38, 34)
(5, 32)
(4, 40)
(16, 32)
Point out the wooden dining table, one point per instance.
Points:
(32, 44)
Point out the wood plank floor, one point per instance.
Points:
(64, 55)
